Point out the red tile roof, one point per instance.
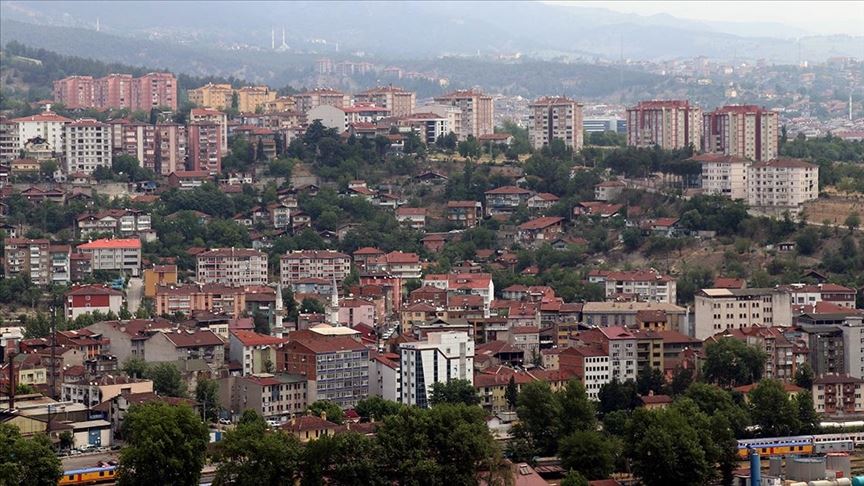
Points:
(105, 244)
(508, 190)
(541, 223)
(251, 338)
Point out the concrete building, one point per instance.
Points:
(321, 96)
(718, 310)
(255, 352)
(812, 294)
(138, 140)
(465, 284)
(113, 222)
(74, 92)
(216, 298)
(629, 314)
(154, 90)
(122, 255)
(553, 118)
(609, 190)
(670, 124)
(170, 148)
(92, 298)
(232, 266)
(301, 264)
(399, 101)
(212, 96)
(206, 115)
(35, 259)
(9, 142)
(330, 116)
(620, 345)
(476, 112)
(158, 275)
(590, 364)
(251, 98)
(93, 392)
(47, 127)
(464, 214)
(782, 184)
(88, 146)
(505, 199)
(274, 396)
(397, 264)
(745, 131)
(644, 285)
(204, 147)
(385, 377)
(336, 365)
(428, 126)
(838, 394)
(724, 175)
(182, 345)
(444, 356)
(113, 91)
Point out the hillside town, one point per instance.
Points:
(321, 263)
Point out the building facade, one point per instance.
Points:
(669, 124)
(745, 131)
(718, 310)
(476, 112)
(302, 264)
(88, 146)
(232, 266)
(443, 357)
(552, 118)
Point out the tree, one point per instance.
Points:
(650, 380)
(588, 452)
(250, 455)
(311, 306)
(681, 379)
(730, 362)
(376, 408)
(807, 241)
(344, 459)
(573, 478)
(326, 410)
(206, 392)
(615, 395)
(632, 238)
(261, 321)
(454, 391)
(29, 460)
(853, 221)
(67, 440)
(167, 380)
(135, 367)
(165, 444)
(576, 412)
(772, 410)
(470, 147)
(808, 419)
(804, 376)
(538, 411)
(512, 393)
(47, 168)
(664, 448)
(260, 156)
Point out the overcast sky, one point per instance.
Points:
(818, 17)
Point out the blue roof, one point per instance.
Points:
(89, 469)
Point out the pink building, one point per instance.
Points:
(74, 91)
(154, 90)
(139, 141)
(205, 150)
(170, 148)
(356, 311)
(113, 91)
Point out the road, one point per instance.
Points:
(134, 294)
(88, 460)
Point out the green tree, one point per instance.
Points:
(853, 221)
(616, 395)
(47, 168)
(27, 461)
(344, 459)
(538, 412)
(470, 147)
(804, 376)
(251, 455)
(650, 380)
(135, 367)
(261, 321)
(327, 410)
(808, 241)
(588, 452)
(576, 412)
(664, 448)
(311, 306)
(772, 410)
(573, 478)
(376, 408)
(454, 391)
(808, 419)
(167, 380)
(206, 394)
(632, 238)
(681, 379)
(512, 393)
(730, 362)
(165, 444)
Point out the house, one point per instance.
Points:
(412, 217)
(608, 190)
(597, 208)
(309, 427)
(255, 352)
(495, 139)
(431, 178)
(666, 227)
(94, 392)
(464, 214)
(274, 396)
(505, 199)
(540, 230)
(185, 180)
(182, 345)
(542, 201)
(92, 298)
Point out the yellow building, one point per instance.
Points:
(215, 96)
(158, 275)
(280, 105)
(250, 98)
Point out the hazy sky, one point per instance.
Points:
(818, 17)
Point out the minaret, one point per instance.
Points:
(850, 105)
(333, 318)
(97, 24)
(273, 38)
(284, 45)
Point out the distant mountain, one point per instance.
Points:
(428, 29)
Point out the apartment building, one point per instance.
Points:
(204, 147)
(397, 100)
(115, 222)
(158, 275)
(384, 377)
(154, 90)
(210, 116)
(835, 337)
(88, 146)
(113, 91)
(635, 315)
(724, 175)
(138, 140)
(92, 298)
(216, 298)
(46, 129)
(336, 366)
(838, 394)
(321, 96)
(669, 124)
(122, 255)
(783, 355)
(718, 310)
(212, 96)
(325, 264)
(620, 345)
(812, 294)
(464, 284)
(464, 214)
(745, 131)
(476, 112)
(442, 357)
(274, 396)
(644, 285)
(39, 260)
(93, 392)
(552, 118)
(506, 199)
(540, 230)
(170, 148)
(397, 264)
(9, 142)
(232, 266)
(251, 98)
(74, 92)
(782, 184)
(256, 353)
(590, 364)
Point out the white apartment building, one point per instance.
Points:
(444, 356)
(47, 126)
(301, 264)
(428, 126)
(465, 284)
(647, 285)
(782, 184)
(476, 112)
(670, 124)
(553, 118)
(720, 309)
(385, 378)
(724, 175)
(9, 142)
(123, 255)
(622, 348)
(232, 266)
(88, 146)
(399, 101)
(745, 131)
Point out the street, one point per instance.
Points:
(79, 461)
(134, 294)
